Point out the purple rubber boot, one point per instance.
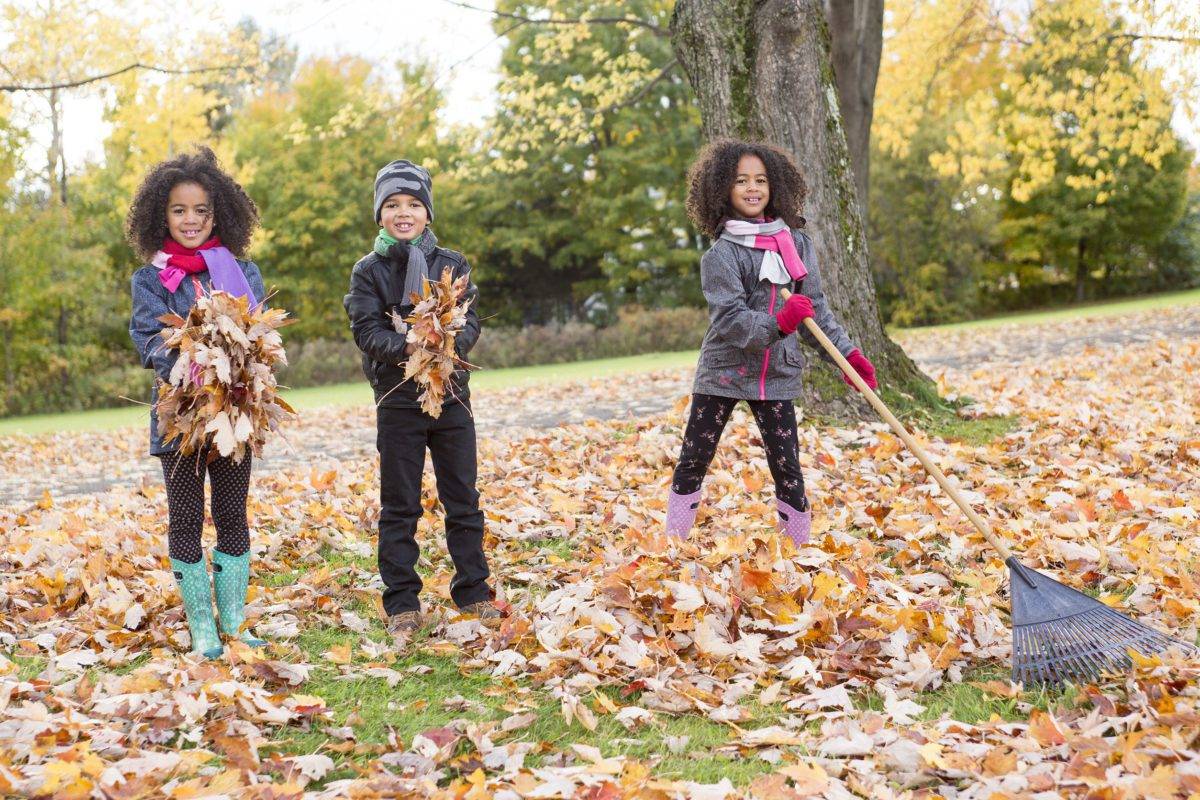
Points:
(681, 513)
(796, 524)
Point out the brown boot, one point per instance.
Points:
(488, 614)
(402, 626)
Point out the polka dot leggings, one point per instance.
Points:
(229, 483)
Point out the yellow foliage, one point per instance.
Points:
(541, 112)
(1021, 92)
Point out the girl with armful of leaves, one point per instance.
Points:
(748, 198)
(404, 255)
(192, 223)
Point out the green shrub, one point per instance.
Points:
(636, 331)
(84, 377)
(926, 302)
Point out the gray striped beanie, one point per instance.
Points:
(403, 177)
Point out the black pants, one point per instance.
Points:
(229, 484)
(403, 435)
(776, 422)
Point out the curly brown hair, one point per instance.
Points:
(711, 178)
(234, 214)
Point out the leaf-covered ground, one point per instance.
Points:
(872, 663)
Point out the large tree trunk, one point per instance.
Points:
(856, 39)
(761, 69)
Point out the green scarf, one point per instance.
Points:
(385, 240)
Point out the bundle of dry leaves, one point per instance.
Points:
(222, 388)
(431, 328)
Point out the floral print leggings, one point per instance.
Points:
(776, 423)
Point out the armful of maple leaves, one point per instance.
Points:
(222, 388)
(439, 314)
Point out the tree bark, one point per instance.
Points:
(856, 39)
(10, 377)
(57, 157)
(762, 69)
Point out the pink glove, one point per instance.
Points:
(863, 367)
(797, 309)
(195, 374)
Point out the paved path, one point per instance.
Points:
(83, 463)
(965, 349)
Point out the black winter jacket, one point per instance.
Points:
(376, 286)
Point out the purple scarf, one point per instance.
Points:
(226, 275)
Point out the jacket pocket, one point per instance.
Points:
(388, 374)
(720, 358)
(787, 361)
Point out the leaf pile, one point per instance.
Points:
(437, 317)
(827, 666)
(222, 388)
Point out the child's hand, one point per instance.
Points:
(409, 349)
(794, 311)
(863, 367)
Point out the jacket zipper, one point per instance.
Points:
(762, 379)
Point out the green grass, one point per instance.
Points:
(563, 548)
(972, 705)
(921, 406)
(418, 703)
(29, 667)
(359, 393)
(1107, 308)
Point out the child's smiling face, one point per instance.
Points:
(751, 190)
(189, 214)
(404, 217)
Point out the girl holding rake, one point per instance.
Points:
(748, 198)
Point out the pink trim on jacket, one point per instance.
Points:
(762, 379)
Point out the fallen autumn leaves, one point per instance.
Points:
(838, 646)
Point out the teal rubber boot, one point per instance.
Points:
(198, 605)
(231, 577)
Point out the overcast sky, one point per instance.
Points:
(458, 41)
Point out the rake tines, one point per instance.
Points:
(1062, 634)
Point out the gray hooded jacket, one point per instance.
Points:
(743, 354)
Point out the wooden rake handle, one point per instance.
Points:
(886, 414)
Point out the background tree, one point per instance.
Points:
(1054, 122)
(931, 238)
(308, 156)
(856, 46)
(583, 165)
(1078, 135)
(764, 71)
